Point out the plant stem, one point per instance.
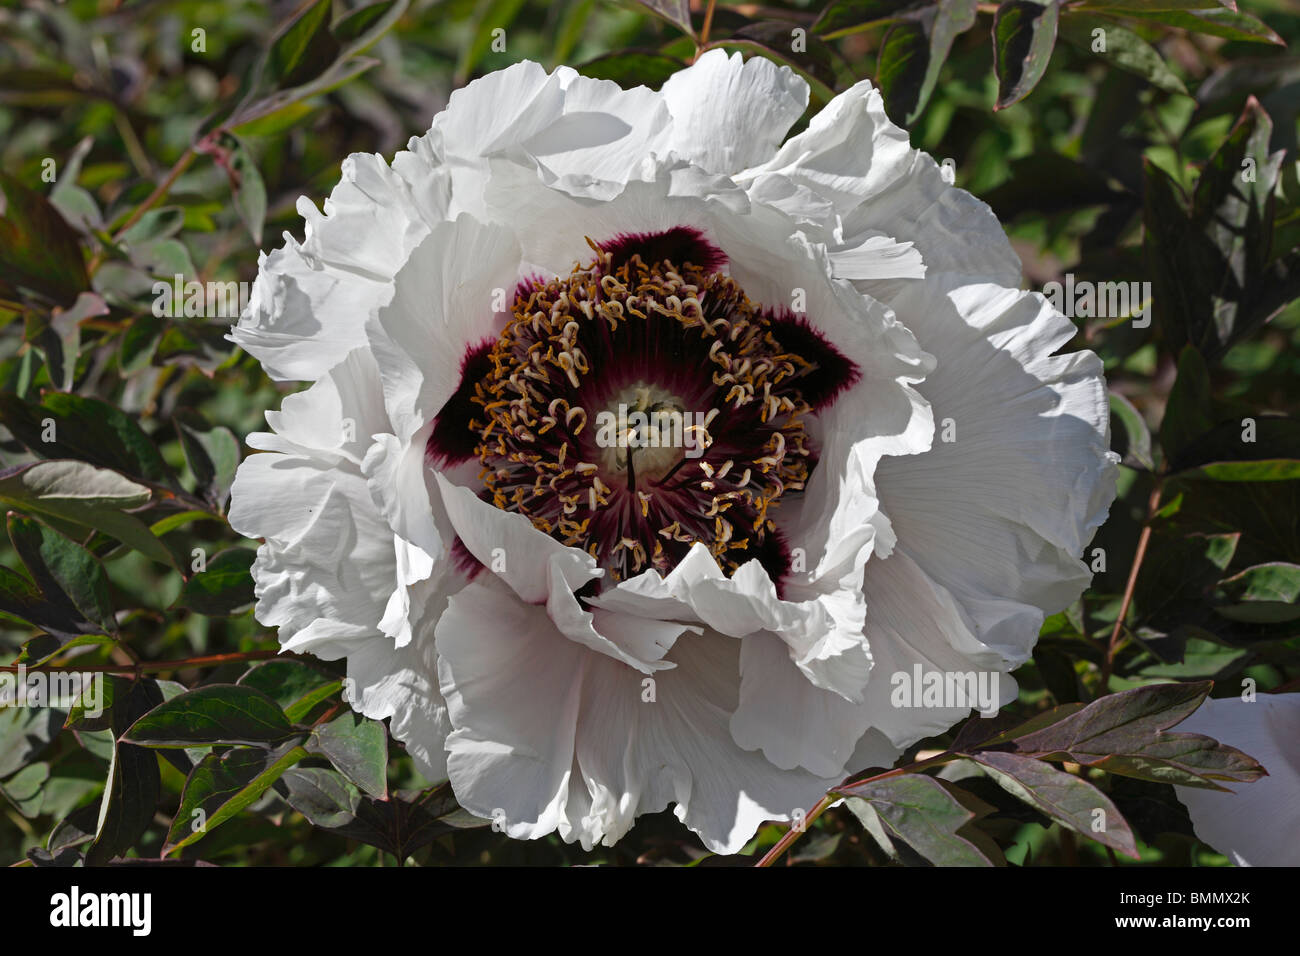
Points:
(820, 807)
(159, 192)
(708, 23)
(150, 667)
(1108, 662)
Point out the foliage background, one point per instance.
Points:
(170, 158)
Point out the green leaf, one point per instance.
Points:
(1264, 448)
(1265, 594)
(246, 184)
(212, 453)
(323, 796)
(58, 339)
(128, 804)
(1024, 33)
(919, 811)
(216, 714)
(1123, 48)
(25, 732)
(1230, 24)
(222, 785)
(73, 426)
(94, 708)
(358, 749)
(297, 687)
(139, 340)
(1137, 448)
(81, 494)
(913, 52)
(224, 587)
(1188, 414)
(1063, 797)
(38, 249)
(1212, 277)
(632, 68)
(842, 17)
(304, 48)
(26, 789)
(63, 570)
(355, 24)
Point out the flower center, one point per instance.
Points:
(632, 409)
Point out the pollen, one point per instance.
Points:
(634, 409)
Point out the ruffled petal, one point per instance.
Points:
(730, 113)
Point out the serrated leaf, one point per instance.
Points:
(1024, 33)
(216, 714)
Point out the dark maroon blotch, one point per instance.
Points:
(835, 372)
(678, 245)
(452, 442)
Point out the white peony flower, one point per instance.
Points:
(866, 458)
(1257, 824)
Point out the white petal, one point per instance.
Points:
(1000, 515)
(730, 113)
(326, 570)
(853, 156)
(1256, 824)
(445, 300)
(310, 302)
(794, 722)
(585, 752)
(402, 683)
(913, 622)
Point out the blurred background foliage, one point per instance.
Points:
(144, 140)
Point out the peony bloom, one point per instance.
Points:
(1258, 824)
(642, 448)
